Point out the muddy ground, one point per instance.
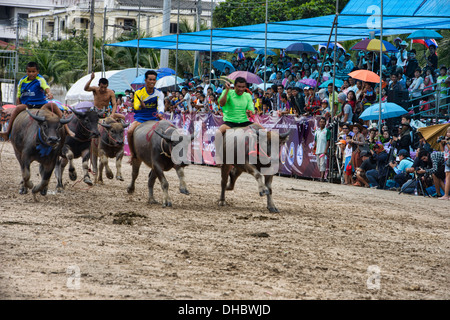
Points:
(328, 241)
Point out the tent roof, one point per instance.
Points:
(353, 24)
(119, 81)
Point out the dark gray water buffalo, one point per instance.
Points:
(253, 151)
(37, 135)
(154, 145)
(108, 145)
(85, 127)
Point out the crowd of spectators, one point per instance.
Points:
(366, 154)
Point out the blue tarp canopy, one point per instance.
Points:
(355, 22)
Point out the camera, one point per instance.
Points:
(441, 138)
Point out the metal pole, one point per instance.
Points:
(210, 45)
(103, 45)
(91, 36)
(138, 35)
(176, 53)
(381, 66)
(16, 62)
(334, 60)
(265, 46)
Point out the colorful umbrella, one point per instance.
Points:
(248, 76)
(309, 82)
(222, 64)
(246, 49)
(425, 34)
(374, 45)
(365, 75)
(168, 82)
(331, 46)
(337, 83)
(59, 104)
(388, 110)
(8, 106)
(431, 133)
(262, 51)
(300, 47)
(166, 70)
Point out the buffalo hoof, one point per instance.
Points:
(229, 187)
(109, 175)
(222, 203)
(130, 190)
(264, 192)
(100, 182)
(59, 189)
(167, 204)
(72, 175)
(23, 190)
(119, 178)
(88, 181)
(184, 191)
(273, 210)
(152, 201)
(44, 191)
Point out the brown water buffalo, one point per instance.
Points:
(253, 151)
(37, 135)
(85, 127)
(153, 144)
(108, 145)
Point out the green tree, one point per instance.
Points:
(232, 13)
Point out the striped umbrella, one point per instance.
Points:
(374, 45)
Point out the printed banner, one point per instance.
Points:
(296, 155)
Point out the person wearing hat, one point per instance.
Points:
(297, 101)
(402, 54)
(397, 42)
(405, 162)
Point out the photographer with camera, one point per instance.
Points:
(401, 176)
(377, 176)
(444, 143)
(422, 163)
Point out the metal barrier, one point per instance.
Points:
(437, 97)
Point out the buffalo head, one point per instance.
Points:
(49, 126)
(88, 121)
(114, 132)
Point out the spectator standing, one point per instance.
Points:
(322, 138)
(445, 147)
(432, 59)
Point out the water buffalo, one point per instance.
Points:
(37, 135)
(153, 144)
(85, 127)
(108, 145)
(247, 150)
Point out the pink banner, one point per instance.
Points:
(296, 155)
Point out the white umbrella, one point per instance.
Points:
(168, 81)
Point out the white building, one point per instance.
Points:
(117, 16)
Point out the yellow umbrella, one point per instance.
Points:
(373, 45)
(431, 134)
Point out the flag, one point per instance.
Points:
(426, 42)
(241, 56)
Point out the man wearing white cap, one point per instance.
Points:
(402, 54)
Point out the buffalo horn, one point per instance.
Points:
(164, 136)
(35, 117)
(105, 125)
(285, 135)
(77, 113)
(66, 120)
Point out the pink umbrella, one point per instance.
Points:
(309, 82)
(248, 76)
